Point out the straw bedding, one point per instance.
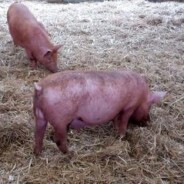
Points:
(138, 35)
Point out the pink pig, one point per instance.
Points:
(30, 34)
(82, 99)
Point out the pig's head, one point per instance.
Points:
(141, 114)
(50, 59)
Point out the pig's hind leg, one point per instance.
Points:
(40, 128)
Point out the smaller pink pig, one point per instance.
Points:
(30, 34)
(82, 99)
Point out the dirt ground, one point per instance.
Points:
(138, 35)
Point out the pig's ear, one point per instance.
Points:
(37, 87)
(56, 48)
(48, 54)
(156, 96)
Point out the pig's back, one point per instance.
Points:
(92, 85)
(87, 78)
(18, 12)
(24, 28)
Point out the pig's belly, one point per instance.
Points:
(98, 112)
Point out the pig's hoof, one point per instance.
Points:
(144, 124)
(32, 66)
(71, 154)
(37, 152)
(52, 138)
(64, 151)
(122, 137)
(58, 143)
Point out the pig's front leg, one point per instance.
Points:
(122, 121)
(32, 60)
(15, 43)
(33, 63)
(40, 128)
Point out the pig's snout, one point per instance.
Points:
(52, 69)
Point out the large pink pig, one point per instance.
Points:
(30, 34)
(81, 99)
